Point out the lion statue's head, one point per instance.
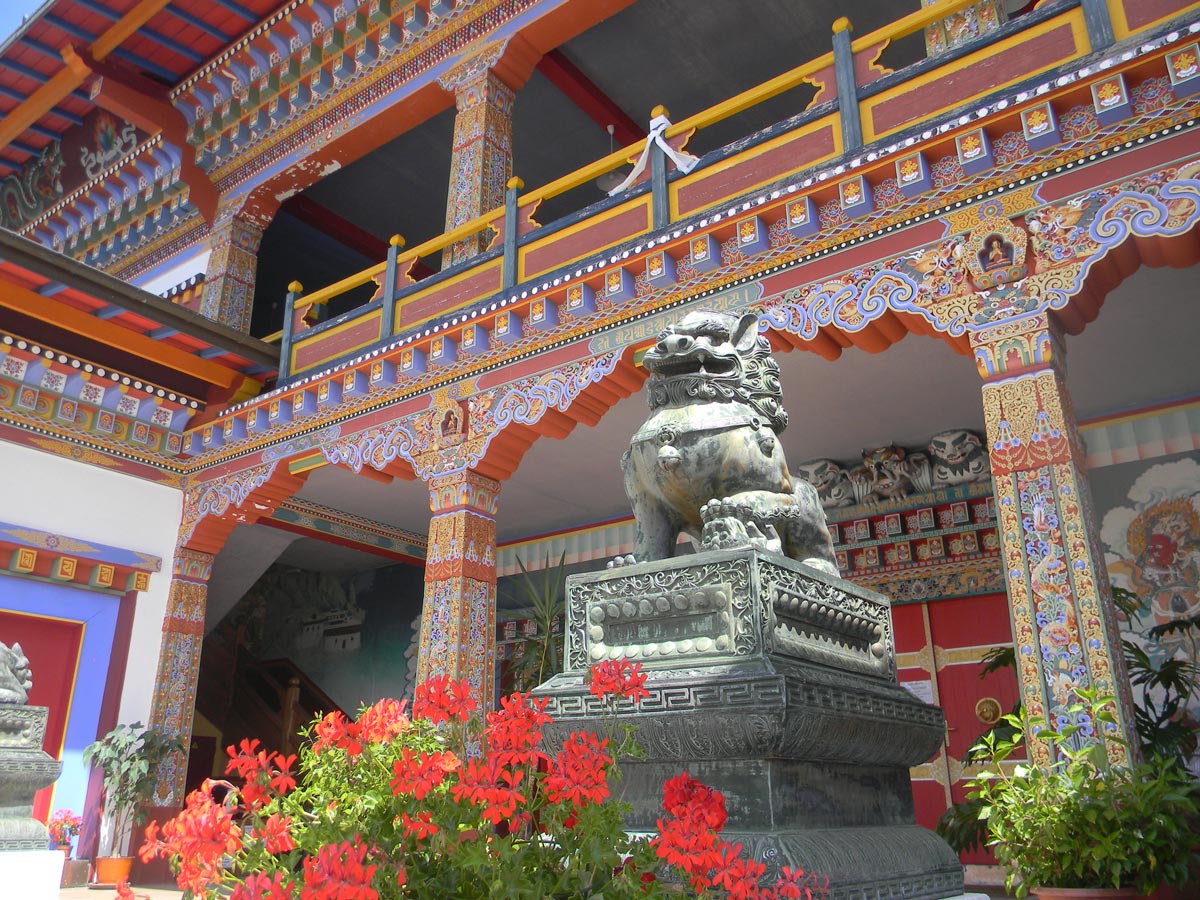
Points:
(716, 357)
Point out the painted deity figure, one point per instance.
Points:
(15, 680)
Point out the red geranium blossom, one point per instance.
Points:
(578, 773)
(259, 887)
(338, 872)
(201, 836)
(275, 834)
(618, 678)
(443, 699)
(385, 720)
(491, 785)
(335, 730)
(420, 773)
(419, 827)
(514, 731)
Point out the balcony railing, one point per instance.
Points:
(860, 113)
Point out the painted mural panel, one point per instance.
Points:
(1149, 514)
(352, 636)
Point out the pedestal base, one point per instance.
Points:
(31, 874)
(775, 684)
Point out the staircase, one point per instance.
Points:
(248, 698)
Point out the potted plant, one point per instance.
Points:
(127, 758)
(63, 826)
(1084, 827)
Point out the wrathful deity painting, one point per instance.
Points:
(1150, 528)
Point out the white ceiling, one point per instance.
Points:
(1140, 350)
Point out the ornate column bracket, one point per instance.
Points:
(179, 666)
(484, 85)
(1064, 622)
(458, 619)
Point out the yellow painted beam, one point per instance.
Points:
(68, 79)
(126, 26)
(37, 104)
(46, 309)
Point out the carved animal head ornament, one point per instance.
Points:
(713, 357)
(15, 679)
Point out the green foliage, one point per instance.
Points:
(542, 655)
(1084, 822)
(128, 758)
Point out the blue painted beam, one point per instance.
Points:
(45, 132)
(25, 148)
(109, 312)
(146, 65)
(184, 16)
(51, 288)
(159, 333)
(211, 353)
(238, 10)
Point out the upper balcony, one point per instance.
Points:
(875, 150)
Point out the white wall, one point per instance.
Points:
(90, 503)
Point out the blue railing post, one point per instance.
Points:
(511, 214)
(660, 199)
(295, 289)
(388, 323)
(1098, 22)
(847, 86)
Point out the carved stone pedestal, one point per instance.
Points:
(775, 684)
(27, 868)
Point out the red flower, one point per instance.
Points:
(253, 766)
(618, 678)
(259, 887)
(152, 846)
(201, 836)
(338, 872)
(384, 721)
(282, 779)
(442, 699)
(421, 827)
(335, 730)
(738, 875)
(578, 775)
(487, 783)
(418, 774)
(276, 835)
(686, 798)
(514, 731)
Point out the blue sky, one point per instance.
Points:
(11, 13)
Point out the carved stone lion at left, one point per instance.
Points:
(15, 679)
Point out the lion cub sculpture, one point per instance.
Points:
(708, 459)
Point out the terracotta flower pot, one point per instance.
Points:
(1046, 893)
(113, 869)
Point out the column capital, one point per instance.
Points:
(511, 60)
(192, 565)
(1022, 344)
(464, 490)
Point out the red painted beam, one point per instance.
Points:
(588, 96)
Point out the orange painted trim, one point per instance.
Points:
(37, 104)
(46, 309)
(128, 24)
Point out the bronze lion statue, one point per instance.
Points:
(708, 460)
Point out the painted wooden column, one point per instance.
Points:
(229, 281)
(458, 619)
(179, 666)
(481, 163)
(1063, 619)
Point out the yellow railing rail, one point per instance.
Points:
(911, 23)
